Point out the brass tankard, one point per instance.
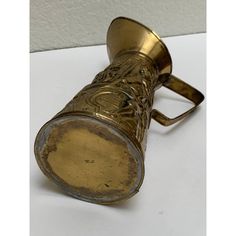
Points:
(94, 148)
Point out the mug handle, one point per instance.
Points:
(180, 87)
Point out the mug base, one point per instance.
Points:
(90, 160)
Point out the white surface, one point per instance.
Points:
(71, 23)
(171, 201)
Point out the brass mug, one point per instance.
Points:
(94, 148)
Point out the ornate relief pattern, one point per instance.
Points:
(122, 92)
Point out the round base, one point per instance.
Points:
(90, 160)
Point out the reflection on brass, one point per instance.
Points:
(94, 148)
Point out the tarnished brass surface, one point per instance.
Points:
(94, 148)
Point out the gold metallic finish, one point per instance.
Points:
(94, 148)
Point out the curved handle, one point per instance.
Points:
(180, 87)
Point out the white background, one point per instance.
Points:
(72, 23)
(171, 200)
